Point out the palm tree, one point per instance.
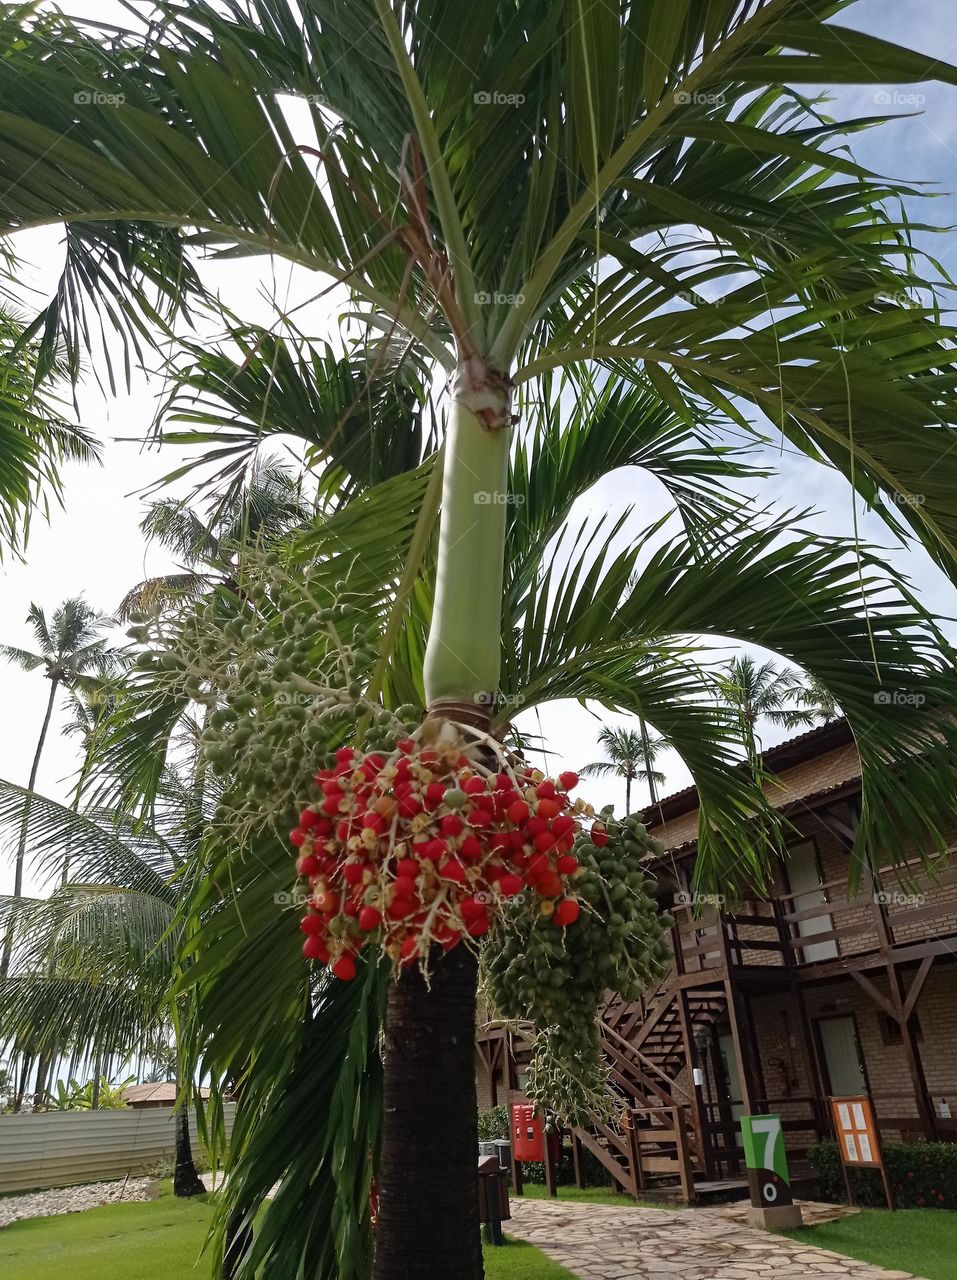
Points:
(640, 150)
(97, 960)
(267, 505)
(36, 438)
(631, 755)
(762, 691)
(71, 652)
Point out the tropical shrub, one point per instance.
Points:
(923, 1175)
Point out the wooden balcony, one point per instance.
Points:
(909, 913)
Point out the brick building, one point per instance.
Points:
(774, 1003)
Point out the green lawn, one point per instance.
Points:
(161, 1240)
(922, 1241)
(593, 1195)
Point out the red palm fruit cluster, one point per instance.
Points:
(421, 847)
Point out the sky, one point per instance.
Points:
(93, 545)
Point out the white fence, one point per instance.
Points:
(60, 1148)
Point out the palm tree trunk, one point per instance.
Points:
(22, 846)
(646, 751)
(627, 794)
(44, 1063)
(428, 1223)
(186, 1181)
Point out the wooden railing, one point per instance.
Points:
(649, 1147)
(895, 908)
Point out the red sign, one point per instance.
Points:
(528, 1133)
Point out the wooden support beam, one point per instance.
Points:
(925, 1108)
(699, 1117)
(916, 987)
(742, 1047)
(890, 1008)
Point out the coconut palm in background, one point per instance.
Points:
(266, 506)
(762, 691)
(71, 651)
(95, 963)
(631, 755)
(544, 188)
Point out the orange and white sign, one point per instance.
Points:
(856, 1132)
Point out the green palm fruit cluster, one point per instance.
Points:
(284, 679)
(558, 979)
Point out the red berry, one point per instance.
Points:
(409, 806)
(509, 885)
(471, 849)
(369, 918)
(353, 872)
(452, 869)
(374, 821)
(471, 909)
(313, 924)
(476, 928)
(599, 835)
(407, 867)
(563, 825)
(327, 903)
(308, 819)
(315, 949)
(544, 841)
(517, 812)
(538, 865)
(548, 808)
(297, 837)
(345, 754)
(480, 818)
(405, 887)
(308, 865)
(566, 912)
(549, 885)
(435, 849)
(474, 786)
(568, 780)
(451, 824)
(567, 865)
(406, 745)
(535, 825)
(399, 908)
(332, 788)
(434, 794)
(546, 790)
(345, 967)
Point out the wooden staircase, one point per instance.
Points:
(655, 1144)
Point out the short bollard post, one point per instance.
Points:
(493, 1198)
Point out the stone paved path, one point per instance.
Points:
(598, 1243)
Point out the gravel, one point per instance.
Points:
(46, 1204)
